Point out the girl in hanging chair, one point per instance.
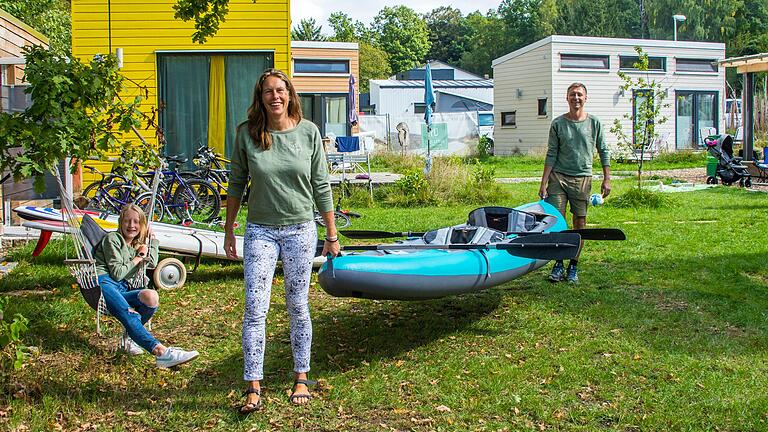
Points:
(119, 257)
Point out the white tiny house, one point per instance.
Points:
(530, 86)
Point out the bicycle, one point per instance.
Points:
(343, 218)
(190, 198)
(211, 166)
(112, 195)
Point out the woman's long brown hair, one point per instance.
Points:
(257, 112)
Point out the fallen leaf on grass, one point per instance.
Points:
(443, 408)
(134, 413)
(421, 421)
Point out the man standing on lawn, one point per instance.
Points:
(567, 177)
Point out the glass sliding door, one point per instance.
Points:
(336, 115)
(640, 97)
(696, 114)
(327, 111)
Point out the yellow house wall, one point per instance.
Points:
(141, 28)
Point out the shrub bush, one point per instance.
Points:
(451, 181)
(638, 197)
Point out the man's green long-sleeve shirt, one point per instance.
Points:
(572, 146)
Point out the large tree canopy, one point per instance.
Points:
(448, 34)
(76, 112)
(403, 34)
(307, 30)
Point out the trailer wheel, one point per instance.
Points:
(170, 273)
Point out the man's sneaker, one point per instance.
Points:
(573, 275)
(558, 272)
(174, 357)
(129, 346)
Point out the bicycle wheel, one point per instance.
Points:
(110, 199)
(143, 201)
(342, 220)
(196, 200)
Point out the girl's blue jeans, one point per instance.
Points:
(125, 305)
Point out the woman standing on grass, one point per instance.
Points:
(119, 256)
(283, 155)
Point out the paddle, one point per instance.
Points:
(586, 234)
(550, 246)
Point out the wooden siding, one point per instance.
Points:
(316, 83)
(141, 28)
(14, 36)
(604, 98)
(531, 73)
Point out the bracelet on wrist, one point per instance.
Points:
(332, 239)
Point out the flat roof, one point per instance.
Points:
(749, 63)
(589, 40)
(475, 83)
(327, 45)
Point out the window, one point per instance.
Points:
(584, 61)
(696, 65)
(485, 119)
(419, 108)
(542, 111)
(509, 118)
(320, 66)
(656, 64)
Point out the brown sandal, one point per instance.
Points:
(294, 396)
(250, 407)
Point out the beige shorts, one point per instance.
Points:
(563, 189)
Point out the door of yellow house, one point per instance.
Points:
(204, 96)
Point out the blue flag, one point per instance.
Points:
(429, 95)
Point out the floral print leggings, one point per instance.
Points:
(263, 244)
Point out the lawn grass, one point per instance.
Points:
(665, 332)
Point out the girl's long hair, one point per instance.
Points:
(142, 237)
(257, 112)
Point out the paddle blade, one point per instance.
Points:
(585, 233)
(599, 233)
(550, 246)
(371, 234)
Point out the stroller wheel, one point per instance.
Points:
(714, 180)
(709, 180)
(748, 183)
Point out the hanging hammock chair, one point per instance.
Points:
(86, 235)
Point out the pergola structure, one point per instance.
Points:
(748, 66)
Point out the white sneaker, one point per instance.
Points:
(129, 346)
(174, 357)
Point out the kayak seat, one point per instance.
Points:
(463, 234)
(503, 219)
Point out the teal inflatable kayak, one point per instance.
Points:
(402, 274)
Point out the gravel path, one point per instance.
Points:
(692, 175)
